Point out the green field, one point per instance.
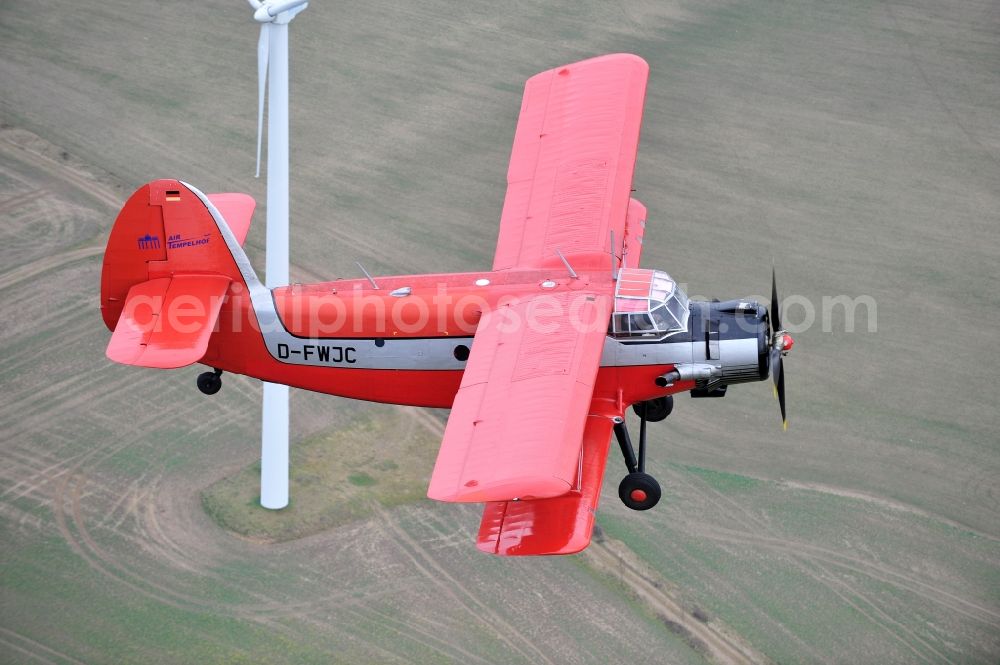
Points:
(377, 461)
(857, 145)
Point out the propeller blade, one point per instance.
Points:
(781, 397)
(775, 307)
(775, 367)
(263, 55)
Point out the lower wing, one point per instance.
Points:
(519, 416)
(560, 525)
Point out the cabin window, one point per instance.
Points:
(648, 306)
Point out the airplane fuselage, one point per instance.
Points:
(407, 339)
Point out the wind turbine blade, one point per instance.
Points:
(263, 53)
(278, 7)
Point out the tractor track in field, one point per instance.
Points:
(48, 472)
(423, 418)
(720, 501)
(981, 484)
(719, 644)
(73, 527)
(762, 536)
(149, 536)
(440, 578)
(16, 144)
(37, 480)
(815, 562)
(33, 412)
(67, 498)
(45, 264)
(69, 519)
(864, 606)
(141, 507)
(14, 202)
(139, 524)
(69, 478)
(28, 359)
(35, 650)
(62, 179)
(863, 567)
(807, 565)
(983, 488)
(412, 631)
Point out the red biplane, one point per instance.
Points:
(538, 358)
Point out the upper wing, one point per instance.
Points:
(635, 228)
(561, 525)
(518, 419)
(570, 173)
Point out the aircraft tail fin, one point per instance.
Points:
(173, 256)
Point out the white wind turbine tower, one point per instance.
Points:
(272, 70)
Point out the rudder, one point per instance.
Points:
(167, 268)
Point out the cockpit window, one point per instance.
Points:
(664, 321)
(677, 306)
(648, 306)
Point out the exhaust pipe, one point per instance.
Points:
(688, 372)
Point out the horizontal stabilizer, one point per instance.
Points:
(561, 525)
(167, 322)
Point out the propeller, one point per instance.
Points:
(268, 13)
(781, 344)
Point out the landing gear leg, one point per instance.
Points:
(210, 382)
(638, 490)
(625, 443)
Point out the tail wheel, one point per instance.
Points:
(657, 409)
(639, 491)
(210, 382)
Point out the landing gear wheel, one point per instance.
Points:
(656, 409)
(639, 491)
(210, 382)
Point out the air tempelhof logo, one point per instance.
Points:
(175, 241)
(148, 242)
